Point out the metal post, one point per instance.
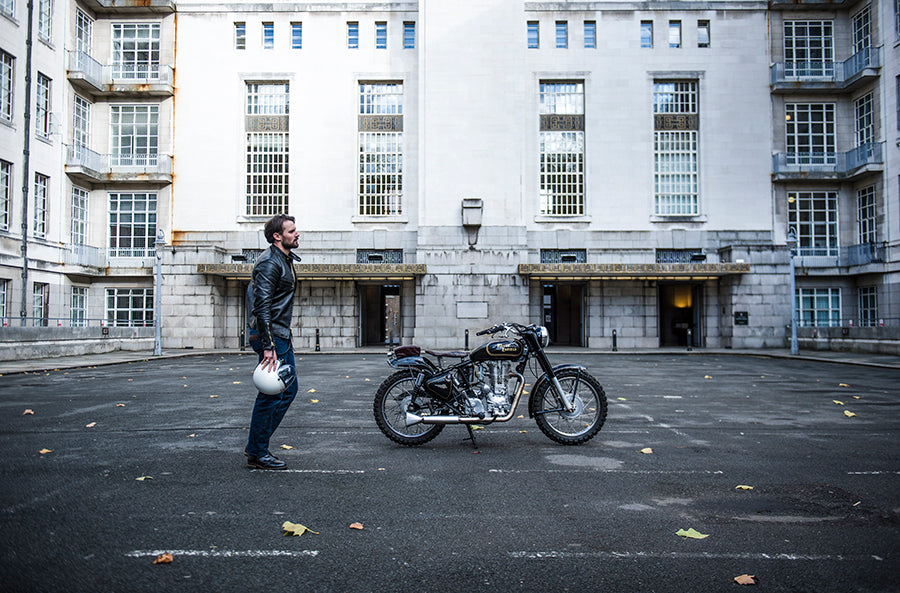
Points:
(467, 340)
(690, 339)
(157, 297)
(317, 339)
(615, 347)
(792, 242)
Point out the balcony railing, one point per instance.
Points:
(835, 74)
(84, 255)
(84, 162)
(828, 164)
(828, 257)
(119, 78)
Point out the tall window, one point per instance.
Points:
(78, 308)
(4, 302)
(268, 35)
(129, 307)
(132, 224)
(296, 35)
(534, 35)
(84, 32)
(380, 35)
(6, 86)
(5, 194)
(409, 35)
(42, 106)
(590, 34)
(240, 36)
(810, 131)
(81, 125)
(865, 120)
(646, 33)
(676, 121)
(380, 148)
(868, 306)
(8, 7)
(562, 34)
(703, 35)
(41, 197)
(44, 15)
(865, 214)
(808, 48)
(818, 307)
(40, 304)
(352, 35)
(135, 135)
(135, 50)
(561, 118)
(862, 30)
(79, 232)
(675, 34)
(814, 216)
(267, 148)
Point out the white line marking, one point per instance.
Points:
(874, 473)
(607, 471)
(311, 471)
(227, 553)
(685, 556)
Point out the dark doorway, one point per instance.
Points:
(563, 313)
(379, 314)
(680, 315)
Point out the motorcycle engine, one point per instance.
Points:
(490, 393)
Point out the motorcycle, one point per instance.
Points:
(414, 404)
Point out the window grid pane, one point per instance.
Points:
(562, 160)
(814, 218)
(562, 34)
(6, 86)
(810, 131)
(129, 307)
(41, 191)
(267, 173)
(590, 34)
(865, 201)
(240, 36)
(808, 48)
(78, 309)
(135, 135)
(868, 306)
(132, 224)
(409, 35)
(296, 35)
(79, 216)
(818, 307)
(380, 173)
(352, 35)
(268, 35)
(533, 35)
(646, 33)
(380, 35)
(135, 50)
(42, 106)
(5, 193)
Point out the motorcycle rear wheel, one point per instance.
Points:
(580, 425)
(393, 399)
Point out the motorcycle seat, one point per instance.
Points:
(447, 354)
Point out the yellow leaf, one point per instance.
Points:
(192, 435)
(27, 412)
(120, 405)
(849, 414)
(311, 391)
(621, 399)
(523, 431)
(647, 451)
(164, 558)
(235, 382)
(843, 385)
(45, 451)
(91, 425)
(296, 529)
(144, 478)
(356, 526)
(746, 579)
(854, 397)
(520, 416)
(707, 377)
(214, 396)
(691, 533)
(743, 487)
(313, 401)
(286, 447)
(838, 402)
(476, 427)
(367, 379)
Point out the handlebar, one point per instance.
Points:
(516, 327)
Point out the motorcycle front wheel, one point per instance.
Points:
(581, 424)
(395, 396)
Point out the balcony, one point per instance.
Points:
(83, 164)
(833, 257)
(812, 4)
(131, 6)
(829, 77)
(91, 77)
(835, 166)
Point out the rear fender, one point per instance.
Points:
(413, 363)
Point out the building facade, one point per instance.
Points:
(626, 175)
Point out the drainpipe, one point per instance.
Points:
(26, 163)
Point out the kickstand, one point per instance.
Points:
(471, 437)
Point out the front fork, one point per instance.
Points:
(566, 399)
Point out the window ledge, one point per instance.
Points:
(699, 218)
(402, 219)
(549, 218)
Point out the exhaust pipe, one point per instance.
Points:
(413, 419)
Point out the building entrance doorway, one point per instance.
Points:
(680, 315)
(379, 314)
(563, 311)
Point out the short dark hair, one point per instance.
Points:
(276, 225)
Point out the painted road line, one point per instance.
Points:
(310, 471)
(606, 471)
(226, 553)
(551, 555)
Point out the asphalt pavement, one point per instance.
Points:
(788, 465)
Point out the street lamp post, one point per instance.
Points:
(792, 243)
(157, 321)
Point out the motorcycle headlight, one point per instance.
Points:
(545, 336)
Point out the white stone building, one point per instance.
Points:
(625, 173)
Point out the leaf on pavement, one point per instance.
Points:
(91, 425)
(164, 558)
(144, 478)
(356, 526)
(120, 405)
(214, 396)
(296, 529)
(647, 451)
(843, 385)
(691, 533)
(45, 451)
(313, 401)
(311, 391)
(746, 579)
(28, 411)
(849, 414)
(286, 447)
(707, 377)
(743, 487)
(838, 402)
(621, 399)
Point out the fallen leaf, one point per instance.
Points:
(476, 427)
(214, 396)
(707, 377)
(120, 405)
(520, 416)
(849, 414)
(45, 451)
(27, 412)
(91, 425)
(746, 579)
(743, 487)
(311, 391)
(296, 529)
(621, 399)
(356, 526)
(523, 431)
(313, 401)
(192, 435)
(368, 380)
(143, 478)
(838, 402)
(647, 451)
(286, 447)
(843, 385)
(164, 558)
(854, 397)
(235, 382)
(691, 533)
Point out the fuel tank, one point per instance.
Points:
(498, 350)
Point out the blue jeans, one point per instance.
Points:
(269, 410)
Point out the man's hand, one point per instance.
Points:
(270, 359)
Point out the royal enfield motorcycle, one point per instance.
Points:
(414, 404)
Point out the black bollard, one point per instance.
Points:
(615, 347)
(317, 340)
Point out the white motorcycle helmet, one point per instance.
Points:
(273, 380)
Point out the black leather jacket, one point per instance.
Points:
(272, 297)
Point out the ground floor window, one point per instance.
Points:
(40, 304)
(818, 307)
(78, 310)
(868, 306)
(129, 307)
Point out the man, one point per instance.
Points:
(270, 308)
